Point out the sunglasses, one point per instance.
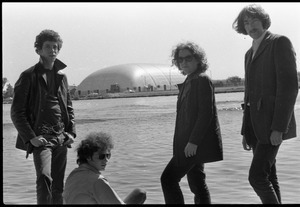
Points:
(188, 58)
(103, 156)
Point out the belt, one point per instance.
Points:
(59, 138)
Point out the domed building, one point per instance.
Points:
(131, 77)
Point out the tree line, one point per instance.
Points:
(7, 92)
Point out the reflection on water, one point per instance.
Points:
(143, 129)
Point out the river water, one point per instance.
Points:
(142, 129)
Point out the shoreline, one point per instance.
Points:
(159, 93)
(232, 89)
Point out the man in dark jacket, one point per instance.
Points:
(271, 89)
(43, 115)
(197, 137)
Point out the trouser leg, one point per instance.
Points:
(59, 162)
(170, 179)
(42, 162)
(274, 180)
(261, 170)
(196, 179)
(262, 173)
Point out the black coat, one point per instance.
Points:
(197, 121)
(26, 104)
(271, 88)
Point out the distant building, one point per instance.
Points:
(72, 87)
(131, 77)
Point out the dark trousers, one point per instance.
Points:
(50, 164)
(171, 177)
(262, 173)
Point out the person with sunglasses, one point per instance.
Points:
(86, 184)
(197, 138)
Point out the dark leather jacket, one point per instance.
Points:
(26, 104)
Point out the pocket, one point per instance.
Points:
(259, 104)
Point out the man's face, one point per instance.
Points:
(187, 61)
(253, 27)
(99, 159)
(49, 51)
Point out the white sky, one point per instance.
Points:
(98, 35)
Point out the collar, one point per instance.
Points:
(58, 65)
(42, 70)
(256, 43)
(89, 167)
(193, 75)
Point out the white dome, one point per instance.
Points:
(133, 76)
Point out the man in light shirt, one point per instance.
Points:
(271, 89)
(85, 184)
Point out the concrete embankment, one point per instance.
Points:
(168, 93)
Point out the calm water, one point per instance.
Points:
(143, 129)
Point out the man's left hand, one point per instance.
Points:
(190, 149)
(276, 138)
(70, 140)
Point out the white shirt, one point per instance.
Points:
(256, 43)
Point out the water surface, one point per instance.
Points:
(142, 129)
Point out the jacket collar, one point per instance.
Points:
(182, 86)
(58, 67)
(89, 167)
(193, 75)
(58, 64)
(185, 87)
(256, 42)
(263, 44)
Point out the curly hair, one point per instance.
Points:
(251, 11)
(93, 142)
(196, 51)
(47, 35)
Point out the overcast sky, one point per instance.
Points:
(98, 35)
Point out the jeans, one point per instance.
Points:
(262, 173)
(171, 177)
(50, 164)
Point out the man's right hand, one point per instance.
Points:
(245, 145)
(38, 141)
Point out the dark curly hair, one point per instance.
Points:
(196, 51)
(93, 142)
(47, 35)
(251, 11)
